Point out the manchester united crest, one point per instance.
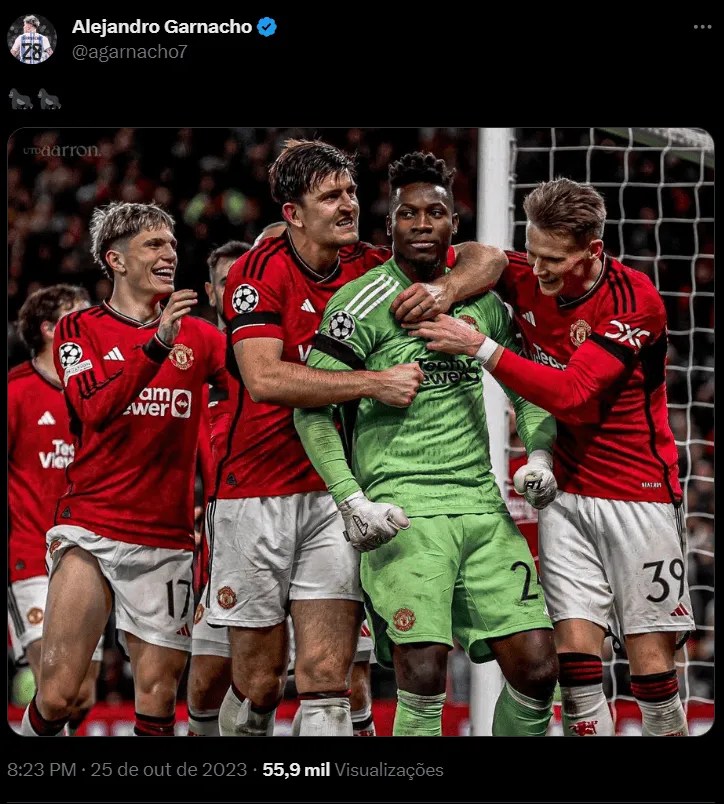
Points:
(403, 619)
(54, 545)
(182, 356)
(198, 614)
(226, 597)
(35, 616)
(470, 321)
(580, 330)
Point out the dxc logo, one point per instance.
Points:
(626, 334)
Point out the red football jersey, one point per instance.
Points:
(601, 372)
(40, 446)
(134, 408)
(271, 293)
(205, 458)
(220, 403)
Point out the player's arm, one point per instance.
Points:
(476, 267)
(98, 397)
(536, 427)
(16, 48)
(323, 445)
(254, 310)
(571, 395)
(367, 524)
(268, 378)
(608, 355)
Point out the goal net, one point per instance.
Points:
(659, 191)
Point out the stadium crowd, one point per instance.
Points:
(214, 183)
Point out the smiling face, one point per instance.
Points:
(560, 264)
(422, 224)
(330, 212)
(147, 262)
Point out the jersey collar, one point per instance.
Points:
(567, 304)
(44, 377)
(399, 274)
(317, 278)
(124, 319)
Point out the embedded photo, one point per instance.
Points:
(358, 431)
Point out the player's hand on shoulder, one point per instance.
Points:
(398, 386)
(369, 525)
(180, 303)
(421, 302)
(535, 480)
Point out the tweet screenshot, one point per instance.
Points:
(336, 430)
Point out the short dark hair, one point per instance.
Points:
(233, 248)
(420, 167)
(567, 207)
(46, 304)
(303, 165)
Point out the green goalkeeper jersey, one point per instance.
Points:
(432, 457)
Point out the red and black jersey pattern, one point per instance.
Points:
(272, 293)
(601, 372)
(135, 407)
(40, 447)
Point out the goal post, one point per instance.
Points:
(493, 226)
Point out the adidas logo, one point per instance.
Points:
(114, 354)
(679, 611)
(530, 318)
(66, 513)
(308, 307)
(231, 480)
(184, 631)
(46, 418)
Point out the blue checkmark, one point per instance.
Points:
(266, 26)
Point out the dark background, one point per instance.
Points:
(361, 67)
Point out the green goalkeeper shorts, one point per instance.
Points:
(471, 577)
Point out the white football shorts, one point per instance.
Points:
(152, 586)
(266, 551)
(618, 563)
(26, 612)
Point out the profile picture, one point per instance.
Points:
(32, 39)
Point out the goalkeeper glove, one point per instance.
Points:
(535, 481)
(368, 525)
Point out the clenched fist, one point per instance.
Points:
(397, 386)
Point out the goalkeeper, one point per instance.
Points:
(458, 567)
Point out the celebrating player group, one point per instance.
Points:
(337, 414)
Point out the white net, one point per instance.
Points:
(659, 190)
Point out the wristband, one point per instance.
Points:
(541, 456)
(486, 351)
(156, 349)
